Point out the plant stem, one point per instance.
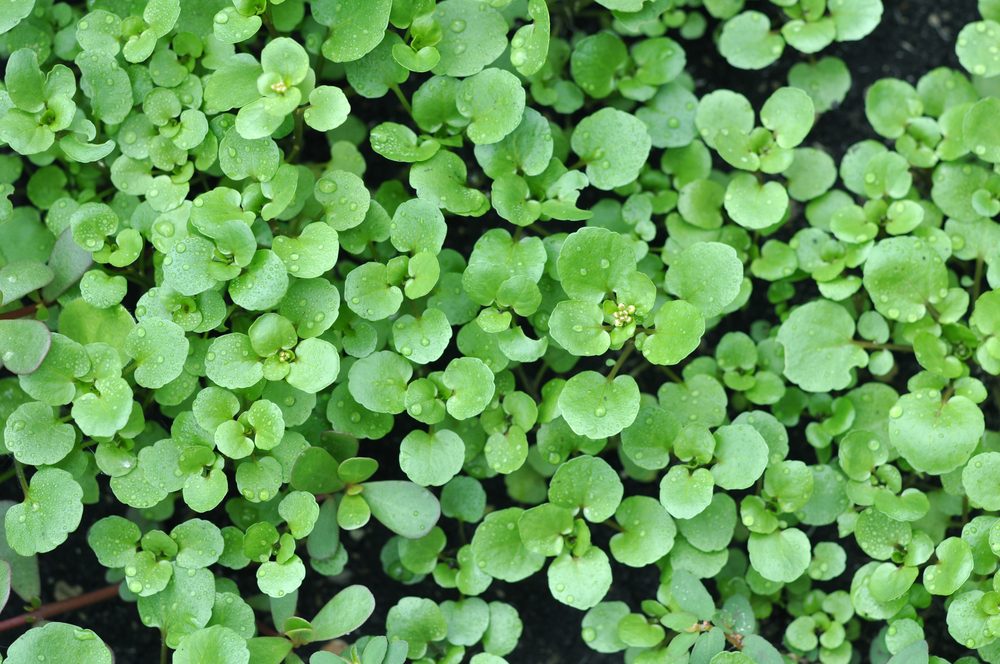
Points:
(402, 98)
(64, 606)
(268, 23)
(671, 374)
(876, 346)
(21, 477)
(297, 135)
(23, 312)
(621, 360)
(977, 279)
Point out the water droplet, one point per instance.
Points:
(222, 18)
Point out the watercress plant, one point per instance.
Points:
(492, 288)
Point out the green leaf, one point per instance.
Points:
(18, 10)
(328, 108)
(212, 644)
(199, 543)
(855, 19)
(589, 485)
(967, 620)
(973, 48)
(579, 327)
(24, 80)
(312, 254)
(932, 434)
(825, 81)
(499, 550)
(530, 45)
(614, 145)
(378, 382)
(316, 366)
(424, 339)
(370, 293)
(679, 326)
(740, 456)
(347, 611)
(543, 528)
(977, 478)
(106, 410)
(684, 493)
(17, 279)
(781, 556)
(279, 579)
(231, 362)
(398, 143)
(706, 274)
(51, 510)
(593, 262)
(159, 349)
(431, 459)
(647, 532)
(404, 508)
(23, 345)
(472, 387)
(35, 437)
(580, 582)
(747, 42)
(819, 350)
(356, 26)
(755, 205)
(596, 61)
(597, 408)
(493, 102)
(263, 283)
(691, 595)
(417, 621)
(72, 644)
(955, 564)
(789, 114)
(441, 180)
(473, 35)
(113, 540)
(902, 275)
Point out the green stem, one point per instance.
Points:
(297, 135)
(22, 479)
(671, 374)
(877, 346)
(621, 360)
(321, 59)
(977, 279)
(402, 98)
(268, 23)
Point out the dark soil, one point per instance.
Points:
(915, 36)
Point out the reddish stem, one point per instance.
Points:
(20, 313)
(64, 606)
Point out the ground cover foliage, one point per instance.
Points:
(494, 279)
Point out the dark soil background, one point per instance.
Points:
(914, 37)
